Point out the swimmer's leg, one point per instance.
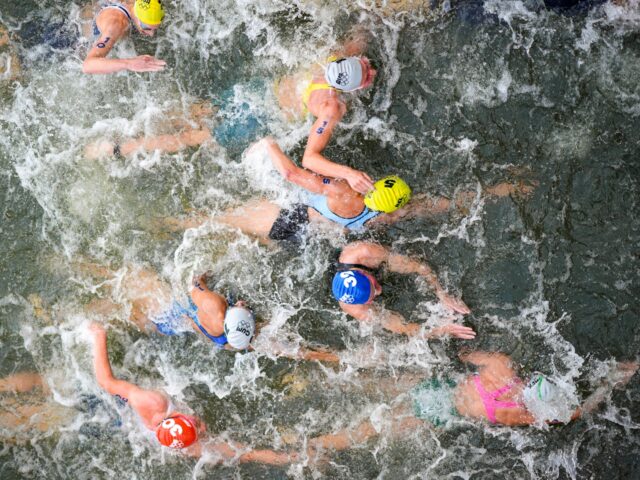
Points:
(22, 382)
(146, 292)
(254, 218)
(179, 224)
(169, 143)
(401, 423)
(343, 439)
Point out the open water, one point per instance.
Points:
(469, 94)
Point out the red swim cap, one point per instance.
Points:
(177, 431)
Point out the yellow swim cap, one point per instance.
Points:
(389, 194)
(149, 12)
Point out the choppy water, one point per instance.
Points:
(467, 95)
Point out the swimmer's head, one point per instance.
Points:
(149, 14)
(388, 195)
(354, 287)
(239, 327)
(177, 431)
(349, 74)
(540, 389)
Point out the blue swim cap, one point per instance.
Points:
(352, 287)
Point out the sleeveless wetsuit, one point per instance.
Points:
(118, 6)
(319, 204)
(490, 399)
(171, 322)
(290, 224)
(312, 87)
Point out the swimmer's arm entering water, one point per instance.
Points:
(396, 323)
(112, 26)
(373, 256)
(300, 176)
(329, 114)
(150, 405)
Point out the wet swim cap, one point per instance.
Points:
(344, 74)
(149, 12)
(352, 287)
(539, 388)
(177, 431)
(239, 327)
(388, 195)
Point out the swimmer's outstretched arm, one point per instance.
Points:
(329, 115)
(301, 176)
(113, 26)
(149, 404)
(396, 323)
(373, 255)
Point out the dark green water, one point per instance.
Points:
(465, 98)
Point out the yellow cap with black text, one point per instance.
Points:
(149, 12)
(388, 195)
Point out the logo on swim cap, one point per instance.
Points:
(346, 298)
(177, 431)
(342, 79)
(239, 327)
(244, 327)
(149, 12)
(388, 195)
(344, 74)
(352, 287)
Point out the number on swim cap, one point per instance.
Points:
(349, 279)
(171, 425)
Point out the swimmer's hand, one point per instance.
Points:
(454, 330)
(97, 330)
(145, 63)
(453, 303)
(359, 181)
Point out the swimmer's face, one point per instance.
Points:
(368, 73)
(376, 288)
(148, 30)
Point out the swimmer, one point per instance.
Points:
(10, 68)
(355, 287)
(111, 24)
(325, 102)
(319, 92)
(26, 406)
(494, 394)
(226, 324)
(332, 200)
(314, 91)
(171, 427)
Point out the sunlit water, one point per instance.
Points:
(467, 95)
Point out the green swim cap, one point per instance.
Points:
(388, 195)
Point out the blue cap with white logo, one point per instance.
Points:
(352, 287)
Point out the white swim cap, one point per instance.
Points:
(239, 327)
(539, 389)
(344, 74)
